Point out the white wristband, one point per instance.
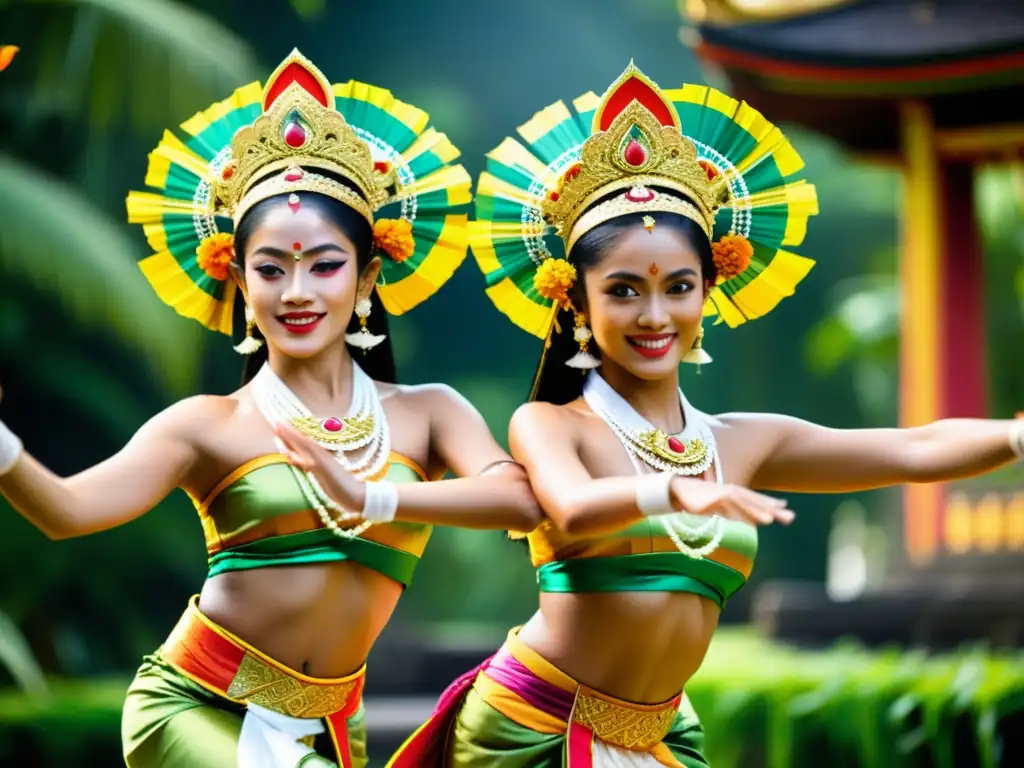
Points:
(1016, 439)
(10, 449)
(381, 503)
(654, 494)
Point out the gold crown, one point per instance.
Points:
(637, 199)
(299, 127)
(636, 142)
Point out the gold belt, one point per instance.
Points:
(638, 727)
(223, 663)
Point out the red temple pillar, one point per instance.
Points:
(962, 338)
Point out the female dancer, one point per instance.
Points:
(266, 666)
(639, 553)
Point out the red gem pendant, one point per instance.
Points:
(676, 445)
(333, 424)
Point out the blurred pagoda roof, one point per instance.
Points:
(843, 66)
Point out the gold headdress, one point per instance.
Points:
(298, 133)
(693, 151)
(300, 130)
(632, 150)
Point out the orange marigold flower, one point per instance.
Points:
(7, 55)
(554, 278)
(394, 237)
(215, 255)
(732, 256)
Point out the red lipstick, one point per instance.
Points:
(301, 323)
(652, 345)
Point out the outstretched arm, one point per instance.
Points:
(542, 441)
(490, 492)
(112, 493)
(796, 455)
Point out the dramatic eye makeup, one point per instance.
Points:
(327, 267)
(622, 284)
(323, 267)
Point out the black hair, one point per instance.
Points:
(555, 382)
(379, 362)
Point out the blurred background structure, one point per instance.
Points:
(932, 91)
(908, 114)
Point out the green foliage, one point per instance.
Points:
(762, 703)
(154, 62)
(17, 658)
(59, 243)
(309, 9)
(860, 335)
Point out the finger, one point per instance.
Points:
(785, 516)
(761, 499)
(304, 444)
(301, 462)
(295, 440)
(288, 433)
(753, 512)
(767, 504)
(733, 509)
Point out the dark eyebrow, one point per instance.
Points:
(633, 278)
(315, 251)
(629, 277)
(684, 272)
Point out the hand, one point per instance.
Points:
(705, 497)
(306, 454)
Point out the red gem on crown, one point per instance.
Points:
(635, 154)
(294, 135)
(676, 445)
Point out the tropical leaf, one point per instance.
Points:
(153, 61)
(17, 658)
(309, 9)
(57, 241)
(864, 320)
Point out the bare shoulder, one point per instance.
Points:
(431, 397)
(748, 439)
(763, 422)
(546, 419)
(192, 418)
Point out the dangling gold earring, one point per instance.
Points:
(250, 343)
(581, 333)
(363, 339)
(697, 354)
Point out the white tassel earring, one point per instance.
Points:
(697, 355)
(581, 333)
(250, 343)
(363, 339)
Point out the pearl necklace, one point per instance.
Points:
(639, 437)
(371, 444)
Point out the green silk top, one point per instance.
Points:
(643, 558)
(258, 517)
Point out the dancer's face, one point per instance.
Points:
(303, 280)
(645, 301)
